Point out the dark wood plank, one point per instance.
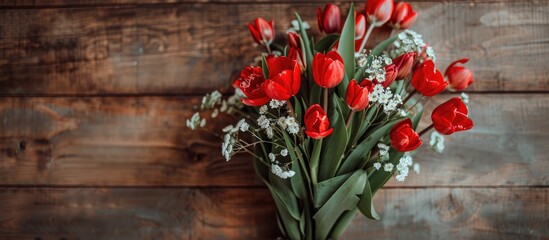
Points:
(174, 49)
(144, 141)
(236, 213)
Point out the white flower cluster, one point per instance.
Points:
(295, 26)
(281, 172)
(195, 121)
(274, 104)
(210, 100)
(231, 136)
(385, 97)
(410, 41)
(403, 166)
(437, 142)
(383, 151)
(376, 68)
(265, 123)
(289, 124)
(227, 146)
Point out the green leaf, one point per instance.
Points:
(360, 153)
(290, 224)
(377, 50)
(342, 223)
(297, 181)
(345, 198)
(417, 117)
(335, 144)
(264, 66)
(346, 46)
(282, 189)
(366, 205)
(315, 159)
(325, 189)
(326, 43)
(342, 86)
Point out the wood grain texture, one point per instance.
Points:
(144, 141)
(237, 213)
(159, 48)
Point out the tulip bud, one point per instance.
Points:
(357, 95)
(329, 21)
(360, 26)
(294, 50)
(317, 125)
(379, 12)
(328, 70)
(284, 78)
(451, 116)
(391, 72)
(459, 77)
(404, 64)
(428, 80)
(403, 16)
(250, 83)
(403, 137)
(262, 31)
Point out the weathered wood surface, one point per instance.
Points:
(174, 48)
(248, 213)
(144, 141)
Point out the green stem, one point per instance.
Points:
(370, 29)
(427, 129)
(409, 96)
(326, 99)
(350, 119)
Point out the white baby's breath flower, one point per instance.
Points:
(377, 165)
(203, 122)
(464, 97)
(293, 126)
(194, 121)
(215, 113)
(400, 178)
(388, 167)
(263, 109)
(284, 152)
(210, 100)
(244, 126)
(272, 157)
(263, 122)
(276, 104)
(227, 146)
(269, 131)
(282, 123)
(383, 149)
(416, 168)
(437, 142)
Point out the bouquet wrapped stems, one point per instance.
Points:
(330, 123)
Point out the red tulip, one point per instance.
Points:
(360, 26)
(250, 82)
(262, 31)
(284, 78)
(328, 70)
(329, 21)
(294, 50)
(404, 63)
(403, 16)
(428, 80)
(391, 72)
(317, 125)
(379, 11)
(357, 95)
(459, 77)
(403, 137)
(451, 117)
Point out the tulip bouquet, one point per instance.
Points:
(329, 123)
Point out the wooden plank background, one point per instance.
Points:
(93, 143)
